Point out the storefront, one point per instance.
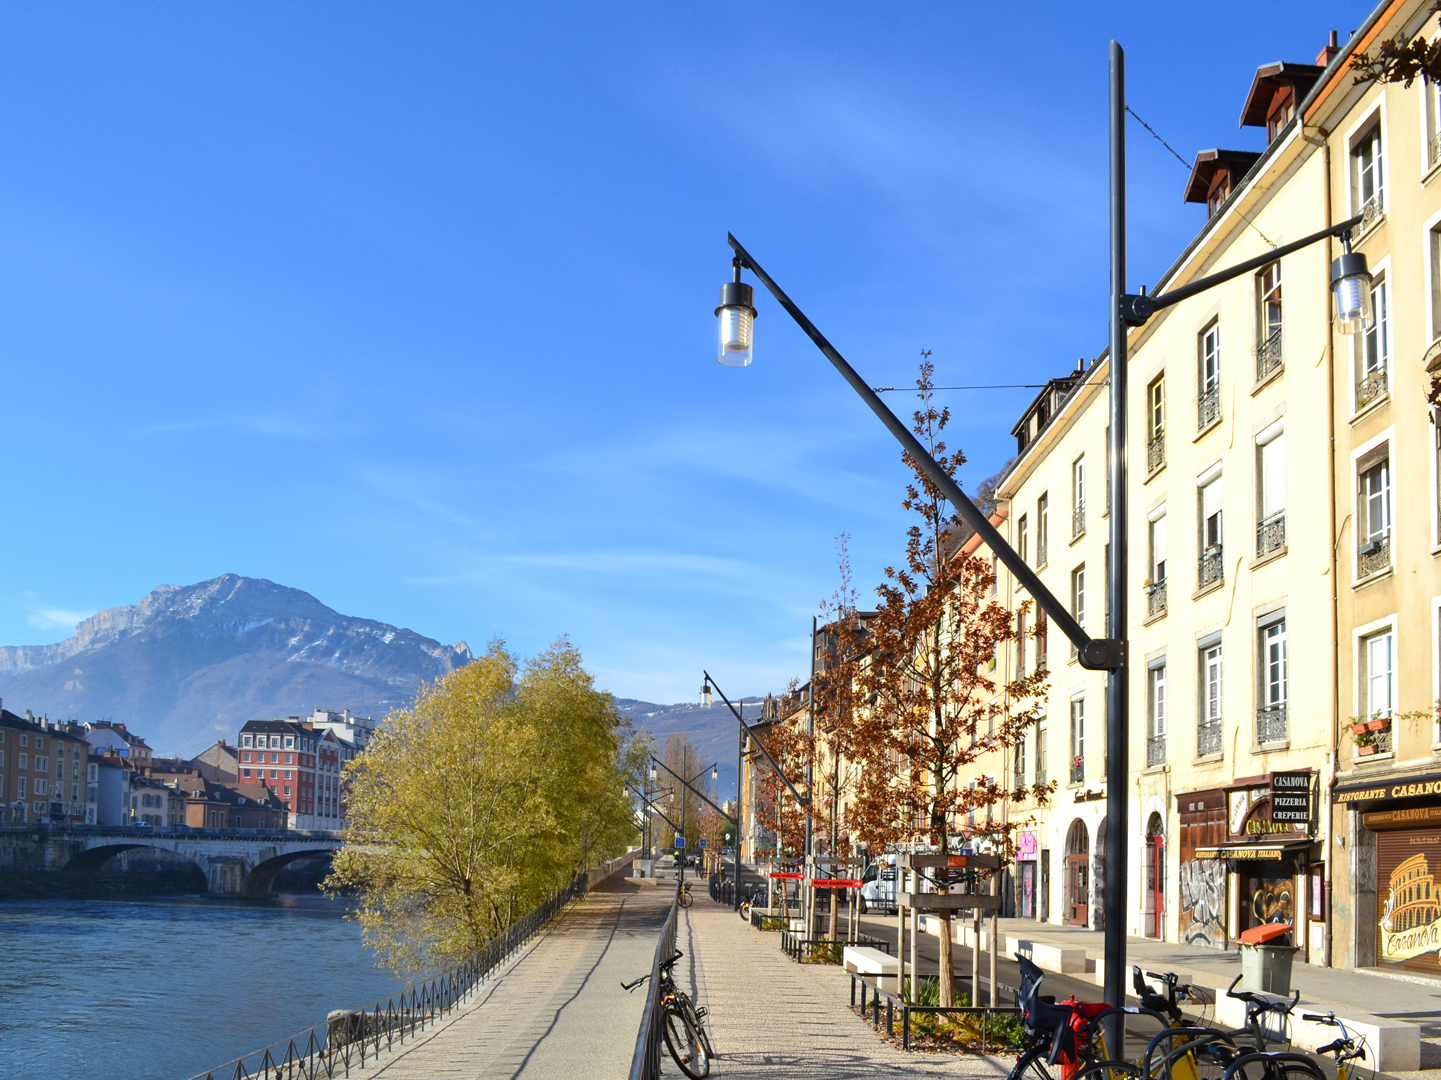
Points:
(1027, 850)
(1397, 829)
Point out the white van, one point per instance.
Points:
(878, 885)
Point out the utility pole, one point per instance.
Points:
(809, 861)
(740, 773)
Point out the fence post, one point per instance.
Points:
(905, 1027)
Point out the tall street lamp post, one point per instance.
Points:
(1351, 292)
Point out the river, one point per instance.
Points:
(164, 988)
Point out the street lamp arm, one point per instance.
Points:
(803, 800)
(657, 810)
(1095, 654)
(699, 794)
(1137, 309)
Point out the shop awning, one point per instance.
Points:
(1271, 852)
(1387, 787)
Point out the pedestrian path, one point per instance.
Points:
(557, 1010)
(770, 1016)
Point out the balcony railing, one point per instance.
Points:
(1433, 149)
(1371, 387)
(1208, 407)
(1155, 751)
(1211, 568)
(1373, 556)
(1208, 738)
(1271, 724)
(1078, 772)
(1268, 356)
(1040, 774)
(1156, 451)
(1271, 534)
(1041, 552)
(1156, 598)
(1078, 520)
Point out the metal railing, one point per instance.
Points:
(1078, 772)
(645, 1062)
(353, 1039)
(1041, 552)
(1271, 534)
(1433, 149)
(798, 946)
(1268, 356)
(1271, 724)
(1155, 751)
(1210, 568)
(895, 1005)
(1078, 520)
(1156, 598)
(1208, 738)
(1371, 386)
(1156, 451)
(1373, 557)
(1041, 775)
(1208, 407)
(1382, 740)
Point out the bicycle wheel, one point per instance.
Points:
(1031, 1065)
(685, 898)
(684, 1045)
(697, 1020)
(1109, 1070)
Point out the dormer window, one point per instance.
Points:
(1220, 191)
(1283, 109)
(1274, 92)
(1215, 176)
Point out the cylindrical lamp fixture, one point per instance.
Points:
(1351, 287)
(737, 321)
(705, 690)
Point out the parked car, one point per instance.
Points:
(878, 885)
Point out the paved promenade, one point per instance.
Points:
(770, 1016)
(558, 1009)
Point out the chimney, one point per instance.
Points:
(1326, 55)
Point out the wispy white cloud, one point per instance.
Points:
(56, 618)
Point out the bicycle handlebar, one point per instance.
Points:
(1329, 1018)
(1262, 1001)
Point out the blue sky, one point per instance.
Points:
(409, 306)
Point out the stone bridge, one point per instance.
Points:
(235, 862)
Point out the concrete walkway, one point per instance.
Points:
(558, 1009)
(770, 1016)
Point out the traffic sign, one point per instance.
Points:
(702, 841)
(680, 841)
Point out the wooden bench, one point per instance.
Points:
(872, 963)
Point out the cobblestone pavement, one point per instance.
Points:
(770, 1016)
(558, 1009)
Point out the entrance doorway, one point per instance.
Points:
(1155, 878)
(1078, 875)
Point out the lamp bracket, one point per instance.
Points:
(1103, 654)
(1135, 310)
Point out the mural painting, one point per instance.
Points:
(1202, 888)
(1273, 900)
(1411, 918)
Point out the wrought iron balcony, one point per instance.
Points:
(1268, 356)
(1373, 556)
(1156, 451)
(1040, 775)
(1382, 740)
(1078, 520)
(1208, 738)
(1155, 598)
(1041, 553)
(1211, 569)
(1371, 387)
(1155, 751)
(1078, 772)
(1271, 724)
(1208, 407)
(1271, 534)
(1433, 149)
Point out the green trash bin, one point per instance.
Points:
(1266, 955)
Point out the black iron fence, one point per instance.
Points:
(799, 947)
(872, 998)
(352, 1039)
(645, 1063)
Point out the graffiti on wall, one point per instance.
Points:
(1272, 902)
(1202, 889)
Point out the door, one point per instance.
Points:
(1155, 879)
(1028, 890)
(1045, 885)
(1078, 876)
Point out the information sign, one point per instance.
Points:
(1291, 797)
(680, 841)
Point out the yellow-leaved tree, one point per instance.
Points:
(499, 783)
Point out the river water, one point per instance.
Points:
(165, 988)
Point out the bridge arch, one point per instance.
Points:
(261, 879)
(89, 862)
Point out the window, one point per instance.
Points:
(20, 787)
(1156, 717)
(1078, 596)
(1020, 646)
(1277, 121)
(92, 773)
(1208, 738)
(1042, 509)
(24, 761)
(1156, 568)
(1212, 569)
(1041, 623)
(42, 787)
(247, 740)
(287, 792)
(289, 759)
(1373, 513)
(1271, 714)
(1208, 401)
(245, 773)
(1078, 740)
(1268, 321)
(42, 763)
(289, 743)
(1368, 181)
(1432, 93)
(1041, 753)
(24, 740)
(1374, 347)
(1078, 496)
(1019, 764)
(39, 742)
(1378, 657)
(1271, 490)
(1021, 538)
(1156, 424)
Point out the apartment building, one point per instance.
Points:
(40, 770)
(299, 764)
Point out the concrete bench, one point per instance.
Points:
(1048, 956)
(1392, 1045)
(962, 931)
(862, 960)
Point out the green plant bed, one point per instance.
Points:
(769, 923)
(825, 953)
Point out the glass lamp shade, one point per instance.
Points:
(737, 321)
(705, 690)
(1351, 288)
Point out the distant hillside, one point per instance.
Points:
(188, 665)
(714, 731)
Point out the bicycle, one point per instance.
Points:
(684, 897)
(683, 1024)
(1258, 1063)
(755, 899)
(1346, 1049)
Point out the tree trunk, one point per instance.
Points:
(946, 979)
(835, 929)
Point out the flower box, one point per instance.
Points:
(1377, 725)
(1357, 729)
(1363, 751)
